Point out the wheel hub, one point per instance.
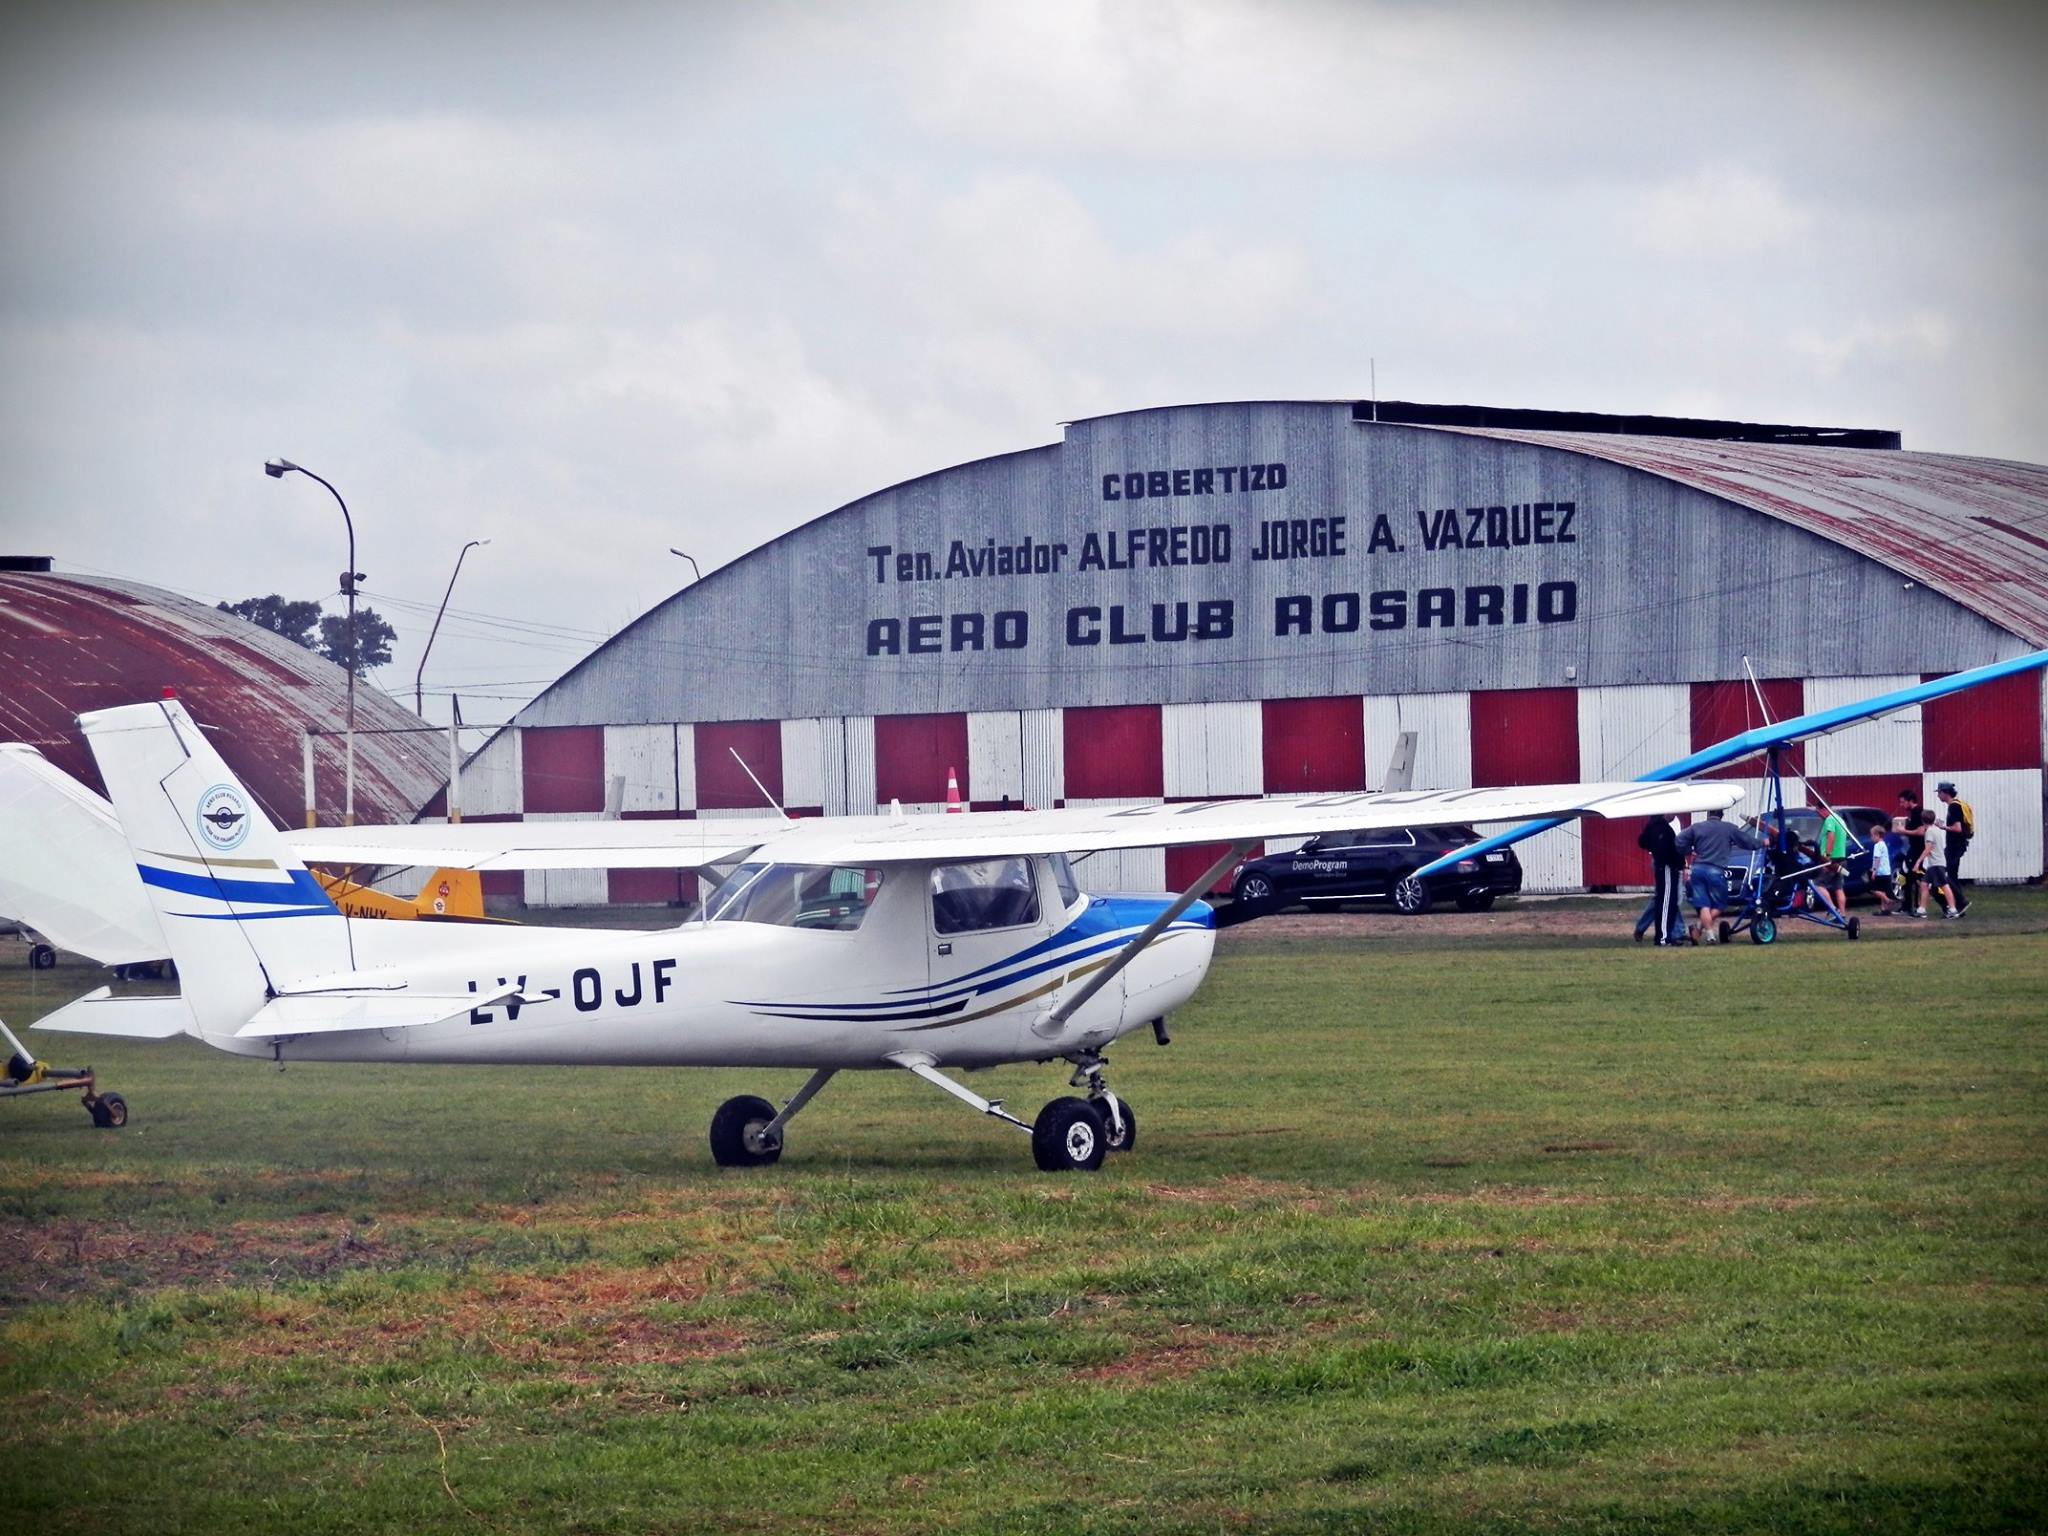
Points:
(1080, 1141)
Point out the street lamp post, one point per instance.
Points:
(418, 698)
(695, 574)
(277, 469)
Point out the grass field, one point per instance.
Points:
(1471, 1223)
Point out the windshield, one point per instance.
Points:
(796, 896)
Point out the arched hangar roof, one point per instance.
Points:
(1975, 530)
(71, 643)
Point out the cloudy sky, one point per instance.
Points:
(596, 281)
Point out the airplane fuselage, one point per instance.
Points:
(741, 993)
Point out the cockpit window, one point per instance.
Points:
(989, 893)
(796, 896)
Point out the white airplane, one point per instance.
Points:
(838, 943)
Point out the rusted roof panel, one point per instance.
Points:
(72, 643)
(1975, 530)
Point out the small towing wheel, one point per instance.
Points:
(1764, 929)
(1069, 1137)
(736, 1140)
(1412, 897)
(41, 957)
(110, 1112)
(1114, 1140)
(1727, 931)
(1854, 927)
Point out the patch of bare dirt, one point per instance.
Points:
(1189, 1350)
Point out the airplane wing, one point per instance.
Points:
(65, 868)
(988, 834)
(542, 844)
(1733, 750)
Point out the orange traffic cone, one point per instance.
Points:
(953, 792)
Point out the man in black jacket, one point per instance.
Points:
(1660, 841)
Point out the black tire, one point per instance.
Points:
(1476, 901)
(1110, 1139)
(1854, 928)
(1726, 931)
(41, 957)
(1255, 893)
(1412, 897)
(729, 1127)
(1764, 930)
(111, 1112)
(1069, 1137)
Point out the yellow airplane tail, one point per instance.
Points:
(447, 895)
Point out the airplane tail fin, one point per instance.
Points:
(451, 893)
(241, 916)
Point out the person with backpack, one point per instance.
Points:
(1961, 827)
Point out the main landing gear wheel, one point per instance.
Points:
(1726, 931)
(1115, 1140)
(1853, 927)
(1412, 897)
(109, 1111)
(41, 957)
(1764, 929)
(1069, 1137)
(736, 1140)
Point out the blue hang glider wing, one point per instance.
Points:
(1763, 738)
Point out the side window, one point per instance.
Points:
(1388, 837)
(989, 893)
(1063, 877)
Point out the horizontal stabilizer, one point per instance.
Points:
(327, 1013)
(132, 1018)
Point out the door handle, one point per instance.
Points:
(945, 949)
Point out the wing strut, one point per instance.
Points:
(1052, 1022)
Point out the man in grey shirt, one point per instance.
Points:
(1712, 843)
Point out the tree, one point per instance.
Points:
(295, 621)
(373, 640)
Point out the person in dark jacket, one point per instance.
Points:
(1659, 839)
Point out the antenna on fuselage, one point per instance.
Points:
(735, 751)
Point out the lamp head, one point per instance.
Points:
(277, 468)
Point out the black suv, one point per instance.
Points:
(1378, 865)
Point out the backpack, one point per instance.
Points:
(1969, 821)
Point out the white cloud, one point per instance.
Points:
(1022, 251)
(1718, 212)
(1917, 336)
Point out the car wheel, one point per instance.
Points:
(1254, 893)
(1412, 897)
(1476, 901)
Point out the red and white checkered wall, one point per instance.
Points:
(1989, 741)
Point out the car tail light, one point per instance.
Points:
(1468, 866)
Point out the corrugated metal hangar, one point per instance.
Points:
(71, 643)
(1235, 599)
